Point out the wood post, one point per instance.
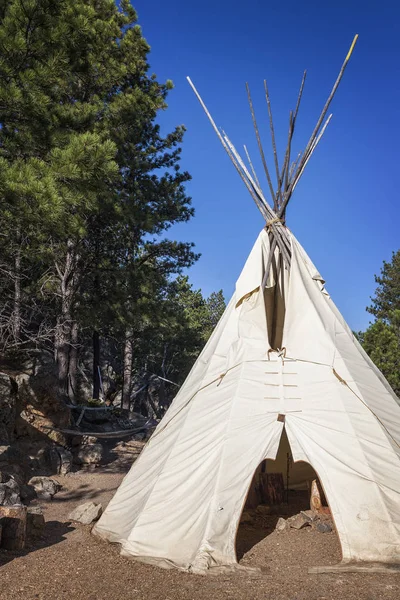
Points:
(272, 488)
(13, 524)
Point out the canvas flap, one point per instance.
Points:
(252, 274)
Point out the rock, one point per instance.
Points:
(8, 400)
(309, 515)
(12, 470)
(45, 487)
(86, 440)
(13, 521)
(86, 513)
(40, 407)
(89, 454)
(263, 509)
(59, 459)
(4, 451)
(65, 460)
(246, 518)
(27, 493)
(323, 527)
(35, 522)
(281, 525)
(9, 491)
(299, 521)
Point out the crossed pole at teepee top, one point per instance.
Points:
(289, 175)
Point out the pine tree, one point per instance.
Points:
(387, 294)
(382, 338)
(88, 183)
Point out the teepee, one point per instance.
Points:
(281, 358)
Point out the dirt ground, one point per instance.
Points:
(69, 563)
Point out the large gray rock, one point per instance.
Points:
(45, 487)
(90, 454)
(42, 413)
(86, 513)
(9, 490)
(35, 522)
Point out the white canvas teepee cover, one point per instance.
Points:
(181, 502)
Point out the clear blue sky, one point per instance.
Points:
(345, 211)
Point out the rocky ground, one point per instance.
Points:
(70, 563)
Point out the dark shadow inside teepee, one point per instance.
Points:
(280, 488)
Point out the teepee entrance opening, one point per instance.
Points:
(281, 489)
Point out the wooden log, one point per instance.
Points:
(13, 522)
(357, 568)
(318, 501)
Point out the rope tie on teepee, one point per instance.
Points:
(271, 222)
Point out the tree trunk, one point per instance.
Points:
(73, 363)
(128, 361)
(96, 365)
(62, 340)
(17, 293)
(62, 347)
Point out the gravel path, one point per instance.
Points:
(71, 564)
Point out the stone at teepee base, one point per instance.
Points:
(282, 525)
(323, 527)
(35, 522)
(86, 513)
(13, 522)
(45, 487)
(299, 521)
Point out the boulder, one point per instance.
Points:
(59, 460)
(86, 513)
(35, 522)
(9, 491)
(45, 487)
(40, 408)
(90, 454)
(282, 525)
